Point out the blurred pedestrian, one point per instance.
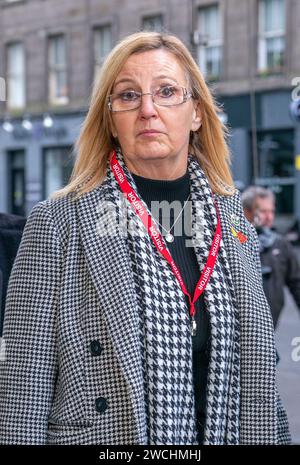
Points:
(280, 264)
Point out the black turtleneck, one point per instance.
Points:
(185, 258)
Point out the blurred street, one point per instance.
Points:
(289, 370)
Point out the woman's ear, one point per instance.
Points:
(113, 131)
(196, 118)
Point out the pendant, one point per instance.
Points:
(169, 237)
(193, 327)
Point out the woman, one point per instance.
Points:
(118, 330)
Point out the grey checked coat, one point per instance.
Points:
(72, 372)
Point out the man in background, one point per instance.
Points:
(280, 266)
(11, 229)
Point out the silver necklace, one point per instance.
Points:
(169, 237)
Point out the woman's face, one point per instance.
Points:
(152, 131)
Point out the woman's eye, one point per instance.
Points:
(167, 91)
(128, 95)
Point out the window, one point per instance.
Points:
(17, 182)
(210, 41)
(58, 165)
(102, 46)
(15, 76)
(271, 41)
(153, 23)
(276, 166)
(57, 62)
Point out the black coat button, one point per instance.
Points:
(101, 404)
(95, 348)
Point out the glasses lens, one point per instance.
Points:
(125, 100)
(169, 95)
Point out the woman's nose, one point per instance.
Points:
(147, 108)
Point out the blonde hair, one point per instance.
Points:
(95, 142)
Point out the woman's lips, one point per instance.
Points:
(149, 133)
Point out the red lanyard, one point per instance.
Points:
(156, 237)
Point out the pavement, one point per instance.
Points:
(287, 338)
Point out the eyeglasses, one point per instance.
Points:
(165, 96)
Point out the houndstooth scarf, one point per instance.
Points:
(166, 345)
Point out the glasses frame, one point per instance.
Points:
(186, 95)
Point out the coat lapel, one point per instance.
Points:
(111, 274)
